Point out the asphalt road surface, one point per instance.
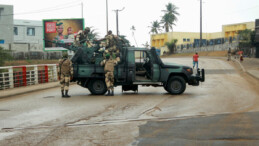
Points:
(223, 110)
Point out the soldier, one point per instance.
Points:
(65, 73)
(109, 63)
(229, 54)
(82, 37)
(111, 43)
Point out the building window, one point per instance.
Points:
(184, 39)
(15, 31)
(30, 31)
(188, 40)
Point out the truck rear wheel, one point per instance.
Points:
(176, 85)
(97, 87)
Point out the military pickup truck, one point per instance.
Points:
(138, 67)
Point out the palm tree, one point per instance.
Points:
(170, 16)
(133, 29)
(146, 45)
(155, 27)
(93, 35)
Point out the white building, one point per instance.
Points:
(6, 24)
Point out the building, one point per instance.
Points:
(29, 34)
(19, 35)
(6, 24)
(28, 31)
(186, 40)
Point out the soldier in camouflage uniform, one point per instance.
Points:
(82, 37)
(109, 64)
(111, 45)
(65, 73)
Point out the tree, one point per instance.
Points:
(171, 45)
(155, 27)
(124, 40)
(133, 29)
(246, 38)
(146, 45)
(169, 17)
(4, 56)
(93, 35)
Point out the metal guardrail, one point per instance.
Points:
(18, 76)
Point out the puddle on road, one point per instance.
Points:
(4, 110)
(6, 134)
(49, 97)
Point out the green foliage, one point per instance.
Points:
(171, 45)
(124, 40)
(4, 56)
(155, 27)
(169, 17)
(146, 45)
(93, 35)
(246, 38)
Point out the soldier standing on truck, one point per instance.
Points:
(109, 64)
(65, 73)
(82, 37)
(111, 44)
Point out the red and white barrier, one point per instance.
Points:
(17, 76)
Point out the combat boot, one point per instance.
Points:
(112, 94)
(62, 93)
(108, 94)
(66, 95)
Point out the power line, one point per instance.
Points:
(44, 10)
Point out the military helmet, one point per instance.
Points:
(87, 29)
(107, 56)
(64, 55)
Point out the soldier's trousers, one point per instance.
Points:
(109, 80)
(64, 82)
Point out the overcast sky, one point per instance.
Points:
(139, 13)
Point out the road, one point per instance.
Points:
(222, 110)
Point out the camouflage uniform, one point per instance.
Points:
(65, 72)
(111, 46)
(82, 37)
(109, 64)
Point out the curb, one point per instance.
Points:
(27, 89)
(246, 71)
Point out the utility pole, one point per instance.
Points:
(200, 23)
(82, 9)
(107, 17)
(117, 19)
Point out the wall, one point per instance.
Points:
(220, 47)
(6, 23)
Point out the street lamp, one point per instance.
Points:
(106, 16)
(200, 23)
(117, 19)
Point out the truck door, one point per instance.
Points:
(146, 69)
(155, 68)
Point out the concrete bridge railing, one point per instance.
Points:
(18, 76)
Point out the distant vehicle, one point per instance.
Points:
(138, 66)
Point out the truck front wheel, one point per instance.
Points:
(176, 85)
(97, 87)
